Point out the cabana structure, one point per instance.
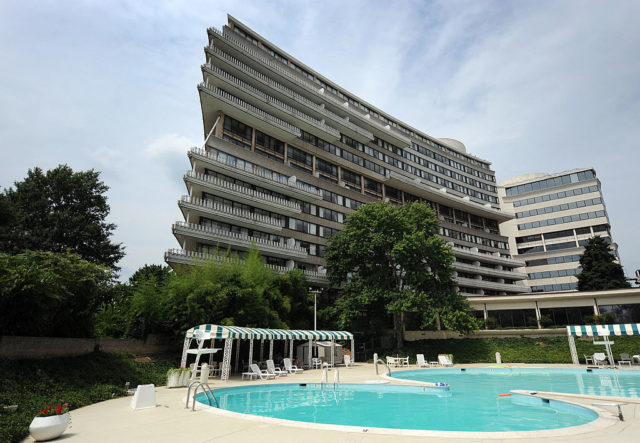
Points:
(231, 333)
(604, 331)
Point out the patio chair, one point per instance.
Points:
(272, 369)
(262, 373)
(391, 361)
(292, 369)
(624, 359)
(600, 359)
(588, 359)
(444, 360)
(316, 363)
(420, 361)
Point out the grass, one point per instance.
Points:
(512, 350)
(80, 381)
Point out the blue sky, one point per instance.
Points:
(531, 86)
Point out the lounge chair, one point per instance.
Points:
(600, 359)
(262, 373)
(444, 360)
(624, 359)
(292, 369)
(272, 369)
(420, 361)
(588, 359)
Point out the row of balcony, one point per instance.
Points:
(241, 194)
(267, 81)
(238, 240)
(260, 95)
(264, 59)
(499, 273)
(494, 258)
(185, 257)
(252, 174)
(494, 286)
(229, 214)
(249, 109)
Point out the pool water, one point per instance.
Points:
(464, 407)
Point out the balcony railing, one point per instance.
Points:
(286, 91)
(273, 101)
(482, 270)
(231, 211)
(250, 109)
(485, 284)
(243, 191)
(487, 257)
(239, 238)
(264, 176)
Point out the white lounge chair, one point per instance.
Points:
(420, 361)
(292, 369)
(444, 360)
(262, 373)
(600, 359)
(272, 369)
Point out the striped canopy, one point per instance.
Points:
(216, 331)
(601, 330)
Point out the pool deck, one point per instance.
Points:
(114, 420)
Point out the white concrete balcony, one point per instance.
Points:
(217, 75)
(474, 254)
(246, 108)
(184, 257)
(266, 60)
(216, 211)
(251, 74)
(224, 165)
(491, 285)
(236, 240)
(498, 273)
(199, 182)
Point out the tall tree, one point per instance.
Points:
(57, 211)
(391, 258)
(599, 270)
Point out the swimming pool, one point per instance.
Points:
(401, 407)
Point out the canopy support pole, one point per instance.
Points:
(235, 366)
(185, 347)
(572, 347)
(262, 349)
(291, 349)
(310, 351)
(226, 359)
(333, 354)
(271, 349)
(353, 351)
(250, 352)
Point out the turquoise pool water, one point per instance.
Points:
(467, 406)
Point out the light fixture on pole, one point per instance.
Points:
(315, 293)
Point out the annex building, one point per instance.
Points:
(289, 154)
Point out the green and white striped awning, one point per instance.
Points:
(217, 331)
(604, 330)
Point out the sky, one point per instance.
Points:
(531, 86)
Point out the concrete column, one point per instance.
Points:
(538, 315)
(596, 309)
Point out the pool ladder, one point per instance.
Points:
(325, 376)
(387, 366)
(207, 392)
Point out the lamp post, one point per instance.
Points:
(315, 293)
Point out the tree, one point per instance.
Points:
(599, 270)
(393, 262)
(59, 211)
(50, 294)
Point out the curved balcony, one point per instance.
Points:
(254, 176)
(238, 107)
(206, 183)
(277, 67)
(498, 273)
(237, 240)
(356, 131)
(184, 257)
(495, 286)
(246, 88)
(487, 258)
(228, 214)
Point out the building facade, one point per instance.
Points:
(555, 215)
(289, 154)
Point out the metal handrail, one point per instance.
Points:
(208, 392)
(381, 361)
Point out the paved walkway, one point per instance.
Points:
(114, 420)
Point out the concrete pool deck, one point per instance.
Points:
(114, 420)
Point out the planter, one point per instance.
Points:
(178, 379)
(47, 428)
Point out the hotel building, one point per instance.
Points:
(289, 154)
(555, 215)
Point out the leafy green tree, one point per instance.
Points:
(599, 270)
(393, 262)
(57, 211)
(293, 288)
(50, 294)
